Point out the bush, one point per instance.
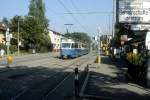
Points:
(43, 50)
(13, 48)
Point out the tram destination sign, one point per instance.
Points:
(133, 11)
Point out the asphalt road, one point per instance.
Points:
(46, 77)
(32, 77)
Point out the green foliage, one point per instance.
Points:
(13, 25)
(33, 33)
(36, 25)
(13, 48)
(2, 46)
(33, 29)
(79, 36)
(37, 10)
(5, 21)
(43, 49)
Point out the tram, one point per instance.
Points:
(72, 49)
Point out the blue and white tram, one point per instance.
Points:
(72, 49)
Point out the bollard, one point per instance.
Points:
(98, 59)
(76, 83)
(107, 53)
(9, 60)
(87, 68)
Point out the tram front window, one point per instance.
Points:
(66, 45)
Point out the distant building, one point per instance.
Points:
(55, 40)
(2, 32)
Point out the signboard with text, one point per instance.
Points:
(133, 11)
(140, 27)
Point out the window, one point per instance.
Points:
(66, 45)
(74, 45)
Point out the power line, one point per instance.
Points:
(89, 13)
(71, 14)
(73, 4)
(55, 13)
(76, 8)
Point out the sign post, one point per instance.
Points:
(9, 58)
(7, 40)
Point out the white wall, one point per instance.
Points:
(55, 39)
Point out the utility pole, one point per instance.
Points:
(109, 23)
(98, 38)
(113, 19)
(18, 36)
(67, 25)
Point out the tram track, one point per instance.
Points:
(73, 63)
(69, 78)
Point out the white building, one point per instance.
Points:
(55, 40)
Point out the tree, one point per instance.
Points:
(33, 27)
(37, 10)
(33, 34)
(13, 24)
(79, 36)
(5, 21)
(37, 25)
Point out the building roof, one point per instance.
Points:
(57, 33)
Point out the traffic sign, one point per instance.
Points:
(7, 35)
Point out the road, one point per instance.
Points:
(37, 77)
(46, 77)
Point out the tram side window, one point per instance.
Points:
(74, 45)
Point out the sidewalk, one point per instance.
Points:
(108, 79)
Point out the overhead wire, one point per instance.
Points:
(89, 12)
(76, 8)
(74, 18)
(56, 14)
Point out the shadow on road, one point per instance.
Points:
(30, 83)
(115, 88)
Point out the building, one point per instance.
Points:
(55, 40)
(2, 32)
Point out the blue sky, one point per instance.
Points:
(55, 13)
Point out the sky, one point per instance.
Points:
(87, 15)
